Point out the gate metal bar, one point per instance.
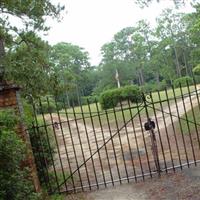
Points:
(121, 152)
(86, 160)
(137, 176)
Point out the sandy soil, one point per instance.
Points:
(132, 148)
(182, 185)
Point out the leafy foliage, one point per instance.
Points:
(154, 87)
(110, 98)
(43, 146)
(48, 105)
(146, 3)
(14, 179)
(27, 66)
(196, 70)
(68, 63)
(25, 61)
(183, 81)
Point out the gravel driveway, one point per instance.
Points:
(182, 185)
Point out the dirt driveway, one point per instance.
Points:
(182, 185)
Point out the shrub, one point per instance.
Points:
(49, 107)
(183, 81)
(111, 98)
(15, 183)
(91, 99)
(151, 87)
(196, 70)
(43, 149)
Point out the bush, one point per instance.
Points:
(48, 107)
(111, 98)
(91, 99)
(183, 81)
(151, 87)
(15, 183)
(196, 70)
(43, 149)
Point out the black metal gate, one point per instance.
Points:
(84, 148)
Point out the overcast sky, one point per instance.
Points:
(92, 23)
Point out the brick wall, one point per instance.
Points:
(8, 97)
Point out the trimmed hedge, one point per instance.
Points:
(183, 81)
(110, 98)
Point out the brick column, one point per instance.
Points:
(9, 98)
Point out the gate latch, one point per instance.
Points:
(149, 125)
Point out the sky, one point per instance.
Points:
(92, 23)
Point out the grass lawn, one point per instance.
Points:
(192, 116)
(119, 114)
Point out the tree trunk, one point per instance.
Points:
(157, 78)
(141, 76)
(78, 96)
(139, 79)
(2, 56)
(177, 62)
(176, 54)
(68, 102)
(186, 65)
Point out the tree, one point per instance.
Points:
(129, 53)
(117, 55)
(170, 27)
(192, 21)
(67, 65)
(145, 3)
(30, 16)
(27, 65)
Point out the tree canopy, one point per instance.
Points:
(144, 3)
(22, 52)
(152, 57)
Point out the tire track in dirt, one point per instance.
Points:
(80, 136)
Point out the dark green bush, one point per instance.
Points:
(183, 81)
(49, 106)
(196, 70)
(15, 183)
(91, 99)
(111, 98)
(43, 149)
(151, 87)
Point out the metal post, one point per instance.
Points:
(150, 125)
(154, 147)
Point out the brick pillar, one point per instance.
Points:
(9, 98)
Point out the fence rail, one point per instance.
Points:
(93, 148)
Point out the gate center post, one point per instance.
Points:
(150, 126)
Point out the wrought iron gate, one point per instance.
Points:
(89, 148)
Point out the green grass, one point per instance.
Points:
(60, 179)
(57, 197)
(188, 121)
(119, 115)
(170, 93)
